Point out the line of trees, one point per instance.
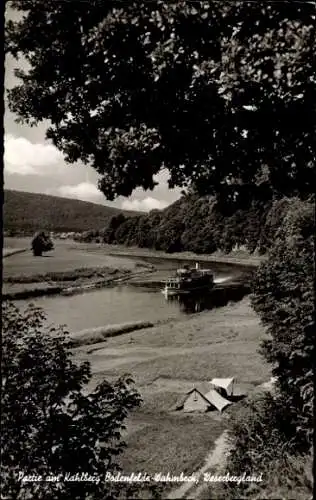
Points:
(198, 224)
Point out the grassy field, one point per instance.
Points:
(67, 256)
(168, 360)
(70, 264)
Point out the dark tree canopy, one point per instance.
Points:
(222, 94)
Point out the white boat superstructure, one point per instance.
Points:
(188, 280)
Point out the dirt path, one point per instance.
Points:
(214, 461)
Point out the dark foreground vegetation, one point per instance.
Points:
(275, 434)
(50, 425)
(222, 96)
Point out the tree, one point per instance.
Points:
(113, 225)
(274, 220)
(284, 299)
(222, 94)
(273, 432)
(261, 440)
(50, 426)
(41, 243)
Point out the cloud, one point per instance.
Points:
(144, 205)
(23, 157)
(83, 191)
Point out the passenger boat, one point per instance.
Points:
(188, 280)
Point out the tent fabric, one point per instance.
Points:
(224, 383)
(201, 388)
(196, 401)
(211, 398)
(217, 400)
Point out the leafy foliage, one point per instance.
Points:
(221, 94)
(274, 434)
(253, 440)
(114, 223)
(261, 437)
(195, 224)
(41, 243)
(50, 424)
(284, 299)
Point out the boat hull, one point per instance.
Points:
(168, 291)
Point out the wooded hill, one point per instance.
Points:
(29, 212)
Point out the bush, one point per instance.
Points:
(261, 445)
(273, 436)
(49, 425)
(284, 299)
(41, 243)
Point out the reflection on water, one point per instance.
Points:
(107, 306)
(218, 297)
(125, 303)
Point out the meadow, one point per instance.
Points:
(70, 263)
(67, 256)
(165, 362)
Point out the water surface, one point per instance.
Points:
(127, 303)
(108, 306)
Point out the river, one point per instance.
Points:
(125, 303)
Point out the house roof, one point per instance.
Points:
(225, 383)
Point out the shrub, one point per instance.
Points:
(41, 243)
(261, 443)
(50, 426)
(284, 299)
(273, 436)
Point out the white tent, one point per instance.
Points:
(195, 400)
(224, 383)
(217, 400)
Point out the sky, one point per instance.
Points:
(33, 164)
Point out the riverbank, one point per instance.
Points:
(94, 336)
(236, 258)
(7, 252)
(69, 269)
(75, 268)
(52, 283)
(168, 360)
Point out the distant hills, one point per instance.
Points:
(30, 212)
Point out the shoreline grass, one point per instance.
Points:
(165, 361)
